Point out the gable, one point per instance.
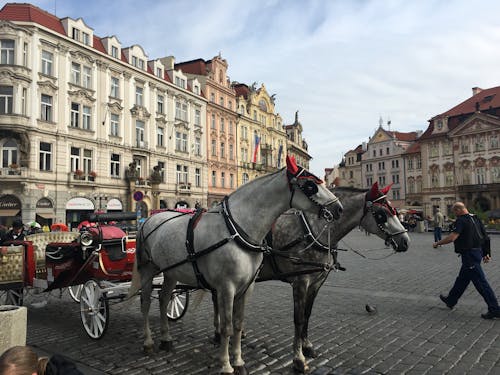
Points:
(380, 136)
(478, 123)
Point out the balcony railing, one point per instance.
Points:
(14, 173)
(141, 144)
(184, 188)
(82, 178)
(142, 182)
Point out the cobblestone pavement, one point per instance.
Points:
(411, 333)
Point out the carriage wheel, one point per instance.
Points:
(12, 297)
(178, 304)
(75, 291)
(94, 310)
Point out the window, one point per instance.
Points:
(25, 54)
(411, 186)
(449, 180)
(214, 147)
(141, 64)
(114, 125)
(479, 143)
(160, 104)
(212, 97)
(230, 127)
(75, 34)
(212, 123)
(6, 100)
(395, 194)
(7, 52)
(381, 180)
(75, 114)
(231, 181)
(495, 174)
(419, 162)
(223, 179)
(231, 152)
(182, 174)
(387, 151)
(23, 101)
(47, 62)
(139, 133)
(464, 145)
(134, 61)
(160, 134)
(87, 77)
(434, 180)
(9, 153)
(197, 146)
(395, 178)
(85, 38)
(244, 133)
(161, 169)
(86, 118)
(244, 178)
(214, 178)
(180, 82)
(197, 177)
(115, 87)
(87, 161)
(45, 156)
(75, 159)
(447, 149)
(480, 175)
(138, 95)
(221, 101)
(181, 111)
(255, 115)
(222, 150)
(115, 165)
(197, 117)
(75, 73)
(159, 73)
(410, 163)
(46, 110)
(114, 52)
(222, 125)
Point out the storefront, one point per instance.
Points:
(76, 211)
(10, 209)
(114, 205)
(44, 214)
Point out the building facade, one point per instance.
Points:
(87, 124)
(221, 120)
(297, 145)
(350, 168)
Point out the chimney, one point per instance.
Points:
(363, 146)
(476, 90)
(168, 62)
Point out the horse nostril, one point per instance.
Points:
(340, 210)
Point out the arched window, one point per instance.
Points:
(245, 178)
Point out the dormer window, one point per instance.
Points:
(75, 34)
(86, 38)
(134, 61)
(180, 82)
(141, 64)
(196, 90)
(114, 52)
(159, 72)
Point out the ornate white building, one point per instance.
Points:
(87, 124)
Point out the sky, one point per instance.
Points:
(343, 64)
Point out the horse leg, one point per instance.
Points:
(238, 319)
(299, 299)
(146, 290)
(225, 301)
(312, 292)
(216, 319)
(165, 293)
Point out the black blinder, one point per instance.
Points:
(380, 216)
(309, 188)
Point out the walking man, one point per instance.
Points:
(466, 237)
(438, 225)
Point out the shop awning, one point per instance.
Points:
(46, 214)
(9, 213)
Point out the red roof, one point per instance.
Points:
(30, 13)
(484, 100)
(198, 66)
(407, 137)
(414, 148)
(241, 90)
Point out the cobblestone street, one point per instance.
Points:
(411, 333)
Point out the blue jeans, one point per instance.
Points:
(437, 234)
(471, 271)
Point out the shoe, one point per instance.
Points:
(445, 300)
(491, 315)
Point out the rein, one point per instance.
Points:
(359, 252)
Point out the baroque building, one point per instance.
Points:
(461, 152)
(221, 120)
(350, 168)
(261, 139)
(297, 145)
(87, 124)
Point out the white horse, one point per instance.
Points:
(222, 249)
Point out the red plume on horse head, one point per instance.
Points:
(374, 191)
(291, 165)
(386, 189)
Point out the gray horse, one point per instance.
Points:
(304, 254)
(222, 249)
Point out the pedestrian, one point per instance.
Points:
(466, 235)
(22, 360)
(438, 225)
(16, 233)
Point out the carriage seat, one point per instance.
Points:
(41, 240)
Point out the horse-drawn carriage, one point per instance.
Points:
(95, 264)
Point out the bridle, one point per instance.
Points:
(378, 208)
(308, 184)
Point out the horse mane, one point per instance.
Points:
(348, 189)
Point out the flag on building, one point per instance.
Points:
(280, 151)
(256, 148)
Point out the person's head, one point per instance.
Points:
(438, 209)
(17, 225)
(459, 209)
(21, 360)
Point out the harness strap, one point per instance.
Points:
(192, 255)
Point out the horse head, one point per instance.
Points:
(313, 190)
(381, 218)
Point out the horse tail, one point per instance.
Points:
(136, 284)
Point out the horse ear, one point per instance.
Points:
(374, 192)
(291, 165)
(387, 188)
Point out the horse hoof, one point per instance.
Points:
(148, 350)
(240, 370)
(309, 352)
(216, 339)
(166, 345)
(300, 367)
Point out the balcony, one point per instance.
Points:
(141, 144)
(81, 178)
(184, 188)
(14, 173)
(141, 182)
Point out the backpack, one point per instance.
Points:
(484, 239)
